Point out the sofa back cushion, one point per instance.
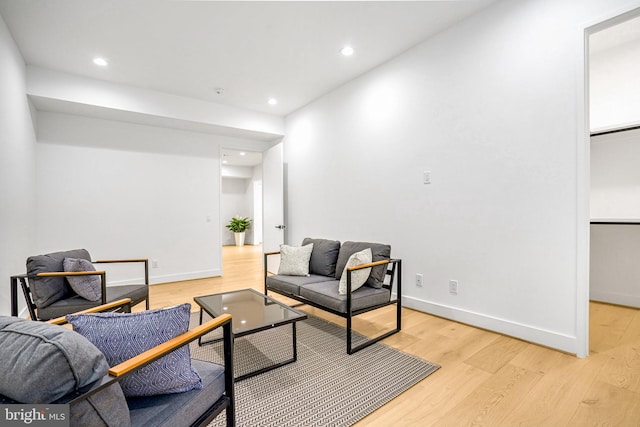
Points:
(379, 252)
(324, 256)
(47, 290)
(43, 362)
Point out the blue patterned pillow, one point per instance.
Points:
(121, 336)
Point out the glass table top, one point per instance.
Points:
(250, 309)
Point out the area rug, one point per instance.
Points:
(324, 387)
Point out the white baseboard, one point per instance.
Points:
(536, 335)
(615, 298)
(178, 277)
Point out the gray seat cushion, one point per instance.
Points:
(379, 252)
(326, 294)
(47, 290)
(291, 284)
(324, 256)
(76, 303)
(180, 408)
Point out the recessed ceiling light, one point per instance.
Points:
(242, 153)
(100, 61)
(225, 162)
(272, 101)
(347, 51)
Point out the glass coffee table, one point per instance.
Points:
(252, 312)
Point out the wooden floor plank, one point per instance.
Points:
(495, 357)
(622, 370)
(486, 379)
(608, 405)
(492, 400)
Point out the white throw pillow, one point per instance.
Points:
(294, 260)
(358, 277)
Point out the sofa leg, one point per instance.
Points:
(351, 349)
(231, 416)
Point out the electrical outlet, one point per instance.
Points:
(154, 263)
(453, 287)
(419, 280)
(426, 177)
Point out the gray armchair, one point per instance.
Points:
(51, 290)
(56, 365)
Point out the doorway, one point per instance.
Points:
(241, 193)
(613, 153)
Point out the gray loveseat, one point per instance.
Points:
(320, 288)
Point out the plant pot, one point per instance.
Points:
(239, 238)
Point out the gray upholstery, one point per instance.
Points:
(291, 284)
(88, 287)
(45, 361)
(77, 303)
(326, 294)
(323, 291)
(50, 359)
(379, 251)
(164, 410)
(48, 363)
(324, 256)
(47, 290)
(105, 408)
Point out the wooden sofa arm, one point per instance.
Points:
(367, 265)
(168, 346)
(71, 273)
(97, 309)
(107, 261)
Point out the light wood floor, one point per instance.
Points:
(486, 379)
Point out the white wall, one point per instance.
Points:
(492, 107)
(615, 87)
(127, 190)
(17, 168)
(615, 175)
(615, 271)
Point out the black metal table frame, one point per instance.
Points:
(268, 300)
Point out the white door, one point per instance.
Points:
(272, 203)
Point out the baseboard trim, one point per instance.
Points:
(555, 340)
(615, 298)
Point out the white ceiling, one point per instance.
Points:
(241, 157)
(254, 50)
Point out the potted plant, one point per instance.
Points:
(238, 225)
